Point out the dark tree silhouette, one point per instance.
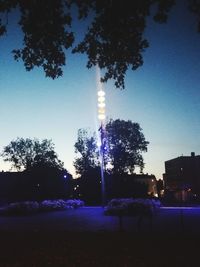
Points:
(42, 175)
(125, 143)
(86, 147)
(88, 187)
(114, 39)
(26, 154)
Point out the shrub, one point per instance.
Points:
(60, 204)
(27, 207)
(132, 207)
(75, 203)
(48, 205)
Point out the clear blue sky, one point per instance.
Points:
(163, 96)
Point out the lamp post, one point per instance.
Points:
(101, 117)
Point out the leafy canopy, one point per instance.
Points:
(26, 154)
(126, 142)
(114, 39)
(86, 147)
(123, 147)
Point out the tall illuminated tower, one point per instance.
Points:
(101, 117)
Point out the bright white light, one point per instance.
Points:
(101, 99)
(101, 116)
(101, 93)
(101, 105)
(99, 143)
(101, 111)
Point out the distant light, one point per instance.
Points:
(99, 143)
(65, 176)
(101, 99)
(101, 110)
(101, 105)
(38, 185)
(101, 93)
(101, 116)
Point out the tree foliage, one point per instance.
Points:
(114, 39)
(124, 143)
(26, 154)
(86, 147)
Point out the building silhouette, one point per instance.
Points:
(182, 178)
(150, 181)
(21, 186)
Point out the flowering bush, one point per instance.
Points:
(61, 204)
(75, 203)
(132, 207)
(25, 207)
(48, 205)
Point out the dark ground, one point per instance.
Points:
(86, 237)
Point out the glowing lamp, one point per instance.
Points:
(101, 117)
(101, 93)
(99, 143)
(101, 105)
(101, 111)
(101, 99)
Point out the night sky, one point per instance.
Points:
(163, 96)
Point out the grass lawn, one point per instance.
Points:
(86, 237)
(97, 249)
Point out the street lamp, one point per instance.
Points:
(101, 117)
